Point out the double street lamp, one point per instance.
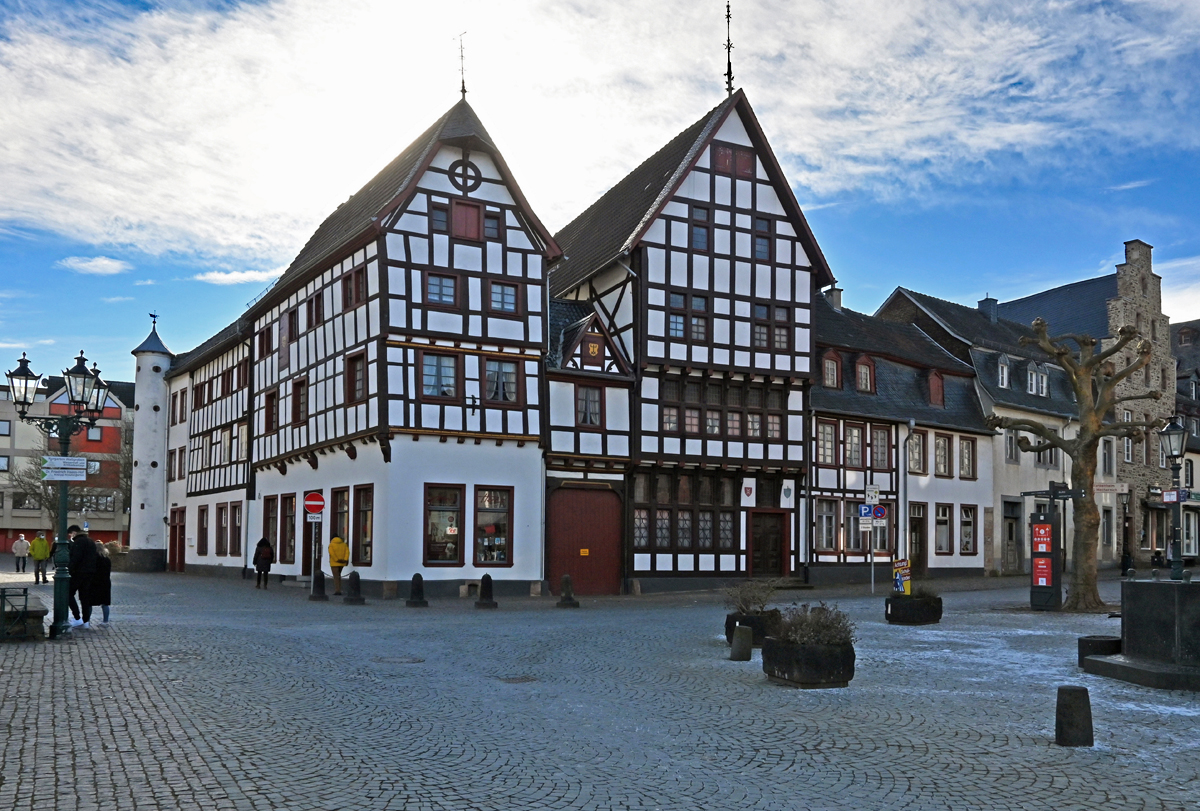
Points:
(1172, 439)
(86, 396)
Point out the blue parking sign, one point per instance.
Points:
(864, 510)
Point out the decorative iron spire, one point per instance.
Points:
(728, 53)
(153, 319)
(462, 71)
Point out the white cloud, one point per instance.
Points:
(1135, 184)
(24, 344)
(94, 265)
(115, 299)
(1180, 287)
(144, 282)
(238, 276)
(224, 133)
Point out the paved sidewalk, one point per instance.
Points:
(208, 693)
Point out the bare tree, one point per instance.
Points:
(1094, 377)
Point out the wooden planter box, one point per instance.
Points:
(808, 666)
(913, 610)
(763, 625)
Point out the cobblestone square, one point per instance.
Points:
(207, 693)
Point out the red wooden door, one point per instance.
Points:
(177, 540)
(583, 539)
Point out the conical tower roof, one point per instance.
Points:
(152, 344)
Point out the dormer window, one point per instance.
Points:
(1002, 372)
(937, 390)
(830, 368)
(864, 375)
(1185, 337)
(1038, 380)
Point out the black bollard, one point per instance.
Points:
(485, 593)
(353, 591)
(416, 593)
(318, 587)
(567, 594)
(1073, 717)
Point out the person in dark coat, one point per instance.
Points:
(102, 582)
(83, 569)
(263, 553)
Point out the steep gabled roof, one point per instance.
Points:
(613, 225)
(566, 319)
(1060, 397)
(363, 213)
(1187, 356)
(973, 326)
(857, 332)
(1079, 308)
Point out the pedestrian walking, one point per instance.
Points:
(20, 550)
(39, 550)
(102, 582)
(83, 570)
(263, 554)
(339, 557)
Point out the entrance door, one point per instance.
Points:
(1013, 547)
(583, 539)
(768, 544)
(177, 540)
(312, 539)
(918, 540)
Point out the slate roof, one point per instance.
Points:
(902, 393)
(230, 335)
(847, 329)
(566, 319)
(153, 343)
(903, 356)
(352, 219)
(610, 227)
(1188, 356)
(977, 327)
(1060, 401)
(1078, 308)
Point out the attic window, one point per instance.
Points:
(830, 368)
(1036, 381)
(466, 219)
(439, 219)
(1002, 373)
(727, 160)
(937, 392)
(743, 163)
(491, 227)
(1185, 337)
(864, 375)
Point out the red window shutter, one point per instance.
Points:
(467, 220)
(745, 163)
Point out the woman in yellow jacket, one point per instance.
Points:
(339, 557)
(39, 550)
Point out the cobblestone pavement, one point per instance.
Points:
(209, 694)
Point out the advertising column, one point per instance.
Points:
(1045, 588)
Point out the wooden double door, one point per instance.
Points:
(768, 543)
(583, 539)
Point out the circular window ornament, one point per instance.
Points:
(465, 176)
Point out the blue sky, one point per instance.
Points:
(174, 156)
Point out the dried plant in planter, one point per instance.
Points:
(750, 596)
(924, 592)
(819, 625)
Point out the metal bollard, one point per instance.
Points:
(567, 594)
(485, 593)
(416, 593)
(1073, 717)
(354, 591)
(318, 587)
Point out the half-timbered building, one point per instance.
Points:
(896, 413)
(697, 272)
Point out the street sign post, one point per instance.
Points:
(64, 463)
(55, 474)
(314, 503)
(1110, 487)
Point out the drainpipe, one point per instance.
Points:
(808, 478)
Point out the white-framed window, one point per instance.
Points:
(1002, 373)
(1191, 524)
(1012, 451)
(1188, 473)
(1128, 417)
(5, 427)
(826, 524)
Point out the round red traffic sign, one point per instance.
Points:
(314, 503)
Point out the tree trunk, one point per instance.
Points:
(1084, 596)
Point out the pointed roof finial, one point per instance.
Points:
(462, 72)
(728, 53)
(153, 319)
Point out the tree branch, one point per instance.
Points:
(1150, 395)
(1127, 334)
(1028, 447)
(1129, 429)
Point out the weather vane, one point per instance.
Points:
(728, 53)
(462, 71)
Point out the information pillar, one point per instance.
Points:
(1045, 588)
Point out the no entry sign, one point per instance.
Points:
(314, 503)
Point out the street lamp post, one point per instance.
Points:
(86, 395)
(1172, 438)
(1126, 558)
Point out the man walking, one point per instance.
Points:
(21, 550)
(83, 568)
(39, 550)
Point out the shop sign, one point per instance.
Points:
(901, 576)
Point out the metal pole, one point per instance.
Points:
(62, 556)
(1176, 521)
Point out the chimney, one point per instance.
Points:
(834, 296)
(990, 307)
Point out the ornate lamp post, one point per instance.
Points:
(1173, 438)
(1126, 558)
(86, 394)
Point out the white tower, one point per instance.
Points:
(148, 507)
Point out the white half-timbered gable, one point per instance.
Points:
(702, 267)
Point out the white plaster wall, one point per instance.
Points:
(149, 485)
